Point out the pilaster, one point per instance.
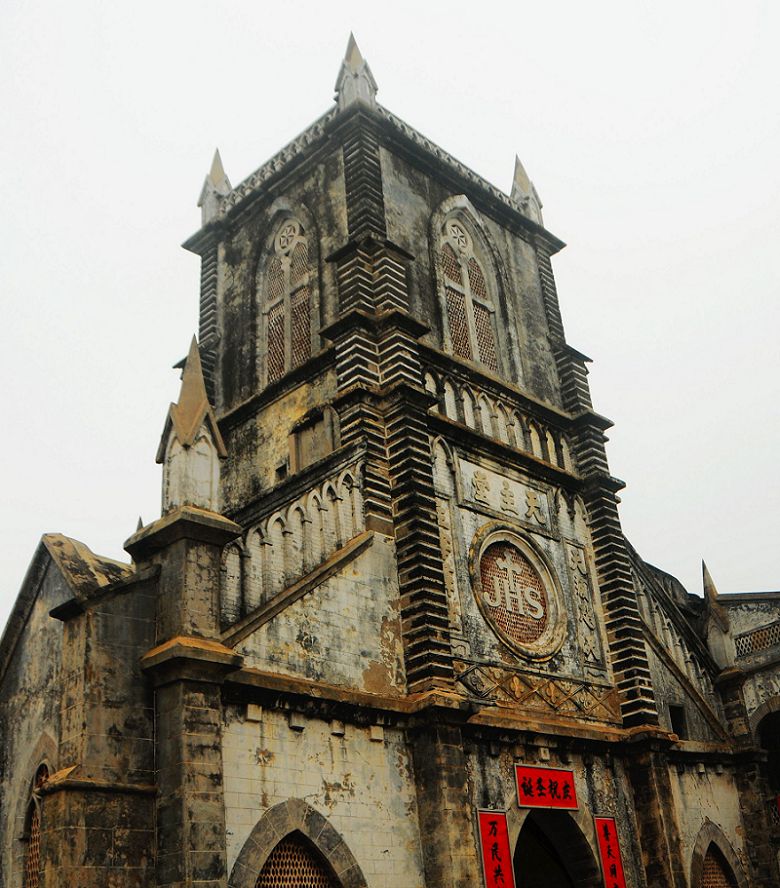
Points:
(187, 668)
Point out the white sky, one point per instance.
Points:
(651, 131)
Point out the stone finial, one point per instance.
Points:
(717, 610)
(140, 524)
(524, 194)
(191, 444)
(215, 187)
(355, 82)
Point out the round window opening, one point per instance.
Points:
(517, 594)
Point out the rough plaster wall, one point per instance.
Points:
(322, 193)
(120, 727)
(760, 688)
(411, 198)
(669, 690)
(346, 632)
(752, 615)
(602, 790)
(365, 788)
(701, 797)
(257, 447)
(29, 712)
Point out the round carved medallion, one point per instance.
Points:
(517, 593)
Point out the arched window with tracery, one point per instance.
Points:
(467, 300)
(295, 862)
(32, 857)
(287, 301)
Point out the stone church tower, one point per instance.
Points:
(388, 632)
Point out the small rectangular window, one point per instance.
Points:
(678, 721)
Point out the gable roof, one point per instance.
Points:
(84, 574)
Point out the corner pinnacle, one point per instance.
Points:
(215, 187)
(718, 612)
(193, 407)
(524, 194)
(355, 82)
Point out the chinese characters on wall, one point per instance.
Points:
(609, 850)
(496, 854)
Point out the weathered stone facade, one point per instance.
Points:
(389, 570)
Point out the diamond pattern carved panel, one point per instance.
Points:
(540, 693)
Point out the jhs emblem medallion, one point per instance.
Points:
(517, 593)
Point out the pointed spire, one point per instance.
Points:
(355, 82)
(215, 187)
(191, 445)
(524, 194)
(140, 524)
(710, 592)
(717, 610)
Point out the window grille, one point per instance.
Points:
(287, 308)
(292, 864)
(716, 873)
(459, 332)
(758, 639)
(467, 299)
(32, 860)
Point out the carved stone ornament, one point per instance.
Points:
(517, 592)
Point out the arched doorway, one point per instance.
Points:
(552, 852)
(769, 738)
(296, 863)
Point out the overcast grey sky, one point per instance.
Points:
(651, 131)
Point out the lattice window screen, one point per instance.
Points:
(477, 280)
(299, 264)
(758, 639)
(275, 279)
(459, 331)
(276, 342)
(293, 865)
(32, 860)
(486, 341)
(716, 872)
(300, 307)
(450, 265)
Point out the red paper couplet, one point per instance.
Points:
(609, 849)
(545, 787)
(496, 854)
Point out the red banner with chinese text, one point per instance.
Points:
(545, 787)
(609, 849)
(496, 855)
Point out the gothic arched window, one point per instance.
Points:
(467, 300)
(287, 301)
(32, 858)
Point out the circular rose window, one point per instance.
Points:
(517, 593)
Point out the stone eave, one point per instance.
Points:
(398, 135)
(730, 599)
(462, 178)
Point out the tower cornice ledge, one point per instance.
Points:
(336, 123)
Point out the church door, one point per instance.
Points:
(295, 863)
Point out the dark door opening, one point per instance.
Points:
(537, 863)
